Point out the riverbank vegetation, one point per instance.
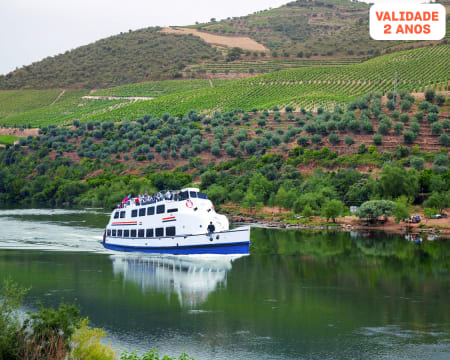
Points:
(252, 159)
(55, 334)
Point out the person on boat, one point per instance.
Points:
(168, 195)
(136, 201)
(211, 228)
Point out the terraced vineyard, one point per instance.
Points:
(308, 88)
(70, 106)
(269, 65)
(159, 88)
(16, 101)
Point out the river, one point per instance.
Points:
(298, 295)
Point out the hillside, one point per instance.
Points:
(122, 59)
(301, 33)
(307, 87)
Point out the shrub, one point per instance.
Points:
(417, 163)
(302, 140)
(377, 139)
(390, 105)
(404, 118)
(398, 128)
(316, 139)
(424, 105)
(349, 140)
(384, 128)
(367, 127)
(409, 136)
(333, 139)
(444, 139)
(440, 99)
(87, 344)
(432, 117)
(362, 149)
(429, 95)
(405, 105)
(415, 127)
(436, 128)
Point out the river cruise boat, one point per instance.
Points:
(173, 222)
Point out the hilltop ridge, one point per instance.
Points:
(300, 33)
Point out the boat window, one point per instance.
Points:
(116, 215)
(149, 233)
(184, 195)
(170, 231)
(114, 233)
(192, 194)
(126, 233)
(159, 232)
(202, 196)
(108, 232)
(141, 233)
(142, 212)
(134, 213)
(151, 210)
(160, 209)
(119, 232)
(172, 210)
(122, 214)
(133, 233)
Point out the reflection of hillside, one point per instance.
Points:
(191, 278)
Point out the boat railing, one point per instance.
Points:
(174, 195)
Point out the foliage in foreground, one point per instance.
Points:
(54, 334)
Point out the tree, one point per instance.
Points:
(307, 211)
(429, 94)
(333, 139)
(377, 139)
(250, 201)
(436, 128)
(398, 128)
(417, 163)
(444, 139)
(438, 200)
(396, 181)
(409, 136)
(373, 209)
(260, 187)
(401, 209)
(333, 209)
(349, 140)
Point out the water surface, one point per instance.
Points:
(299, 295)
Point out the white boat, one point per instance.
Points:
(176, 224)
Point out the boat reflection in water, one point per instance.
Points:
(191, 277)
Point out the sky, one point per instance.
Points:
(31, 30)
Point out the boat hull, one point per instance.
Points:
(235, 241)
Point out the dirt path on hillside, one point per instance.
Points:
(135, 98)
(242, 42)
(17, 132)
(59, 96)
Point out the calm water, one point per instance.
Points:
(299, 295)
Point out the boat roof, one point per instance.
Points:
(191, 189)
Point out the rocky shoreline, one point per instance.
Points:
(343, 224)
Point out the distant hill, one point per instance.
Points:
(300, 33)
(308, 28)
(146, 54)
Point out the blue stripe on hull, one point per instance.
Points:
(236, 248)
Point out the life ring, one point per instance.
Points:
(189, 203)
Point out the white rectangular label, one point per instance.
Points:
(407, 22)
